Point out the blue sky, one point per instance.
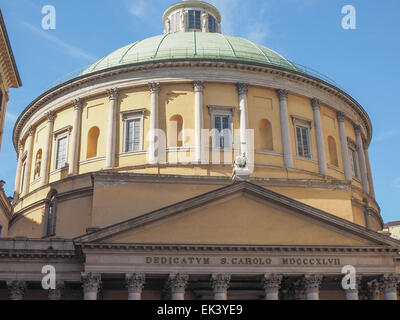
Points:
(365, 61)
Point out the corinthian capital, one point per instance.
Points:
(389, 282)
(113, 93)
(313, 282)
(135, 282)
(282, 94)
(91, 281)
(154, 87)
(357, 129)
(272, 282)
(198, 86)
(50, 116)
(16, 289)
(242, 88)
(58, 292)
(32, 130)
(78, 104)
(316, 104)
(340, 116)
(220, 282)
(177, 282)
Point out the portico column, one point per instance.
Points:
(244, 118)
(286, 144)
(135, 283)
(369, 171)
(374, 288)
(111, 134)
(91, 285)
(18, 175)
(220, 284)
(348, 172)
(313, 284)
(352, 293)
(177, 284)
(58, 292)
(319, 136)
(272, 284)
(389, 285)
(198, 119)
(361, 159)
(76, 137)
(154, 91)
(45, 169)
(29, 148)
(16, 289)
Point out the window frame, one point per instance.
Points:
(53, 223)
(303, 123)
(212, 18)
(353, 154)
(194, 17)
(58, 135)
(131, 116)
(221, 111)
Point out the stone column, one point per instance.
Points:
(91, 285)
(361, 159)
(18, 174)
(76, 137)
(319, 136)
(389, 285)
(16, 289)
(369, 171)
(352, 294)
(312, 285)
(58, 292)
(198, 119)
(220, 285)
(286, 141)
(111, 129)
(45, 169)
(135, 283)
(154, 91)
(29, 148)
(244, 118)
(348, 172)
(374, 289)
(272, 284)
(177, 285)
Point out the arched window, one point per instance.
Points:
(333, 157)
(175, 129)
(38, 164)
(51, 215)
(93, 138)
(265, 134)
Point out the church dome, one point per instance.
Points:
(192, 45)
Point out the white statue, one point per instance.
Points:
(241, 161)
(204, 22)
(241, 171)
(183, 17)
(167, 26)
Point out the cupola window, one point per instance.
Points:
(212, 24)
(194, 19)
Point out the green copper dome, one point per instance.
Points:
(191, 45)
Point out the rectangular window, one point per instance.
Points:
(222, 125)
(61, 152)
(22, 177)
(194, 19)
(303, 142)
(212, 24)
(133, 135)
(353, 160)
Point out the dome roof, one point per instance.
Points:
(191, 45)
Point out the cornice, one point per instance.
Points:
(191, 63)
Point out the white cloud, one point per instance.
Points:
(10, 117)
(140, 8)
(386, 135)
(258, 33)
(70, 49)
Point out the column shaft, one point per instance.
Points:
(135, 283)
(272, 284)
(220, 285)
(111, 134)
(76, 137)
(198, 116)
(361, 159)
(312, 285)
(154, 91)
(320, 137)
(177, 284)
(348, 172)
(91, 285)
(45, 169)
(389, 285)
(286, 141)
(369, 171)
(244, 119)
(29, 148)
(18, 174)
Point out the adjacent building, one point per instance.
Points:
(121, 186)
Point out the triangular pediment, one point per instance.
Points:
(240, 214)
